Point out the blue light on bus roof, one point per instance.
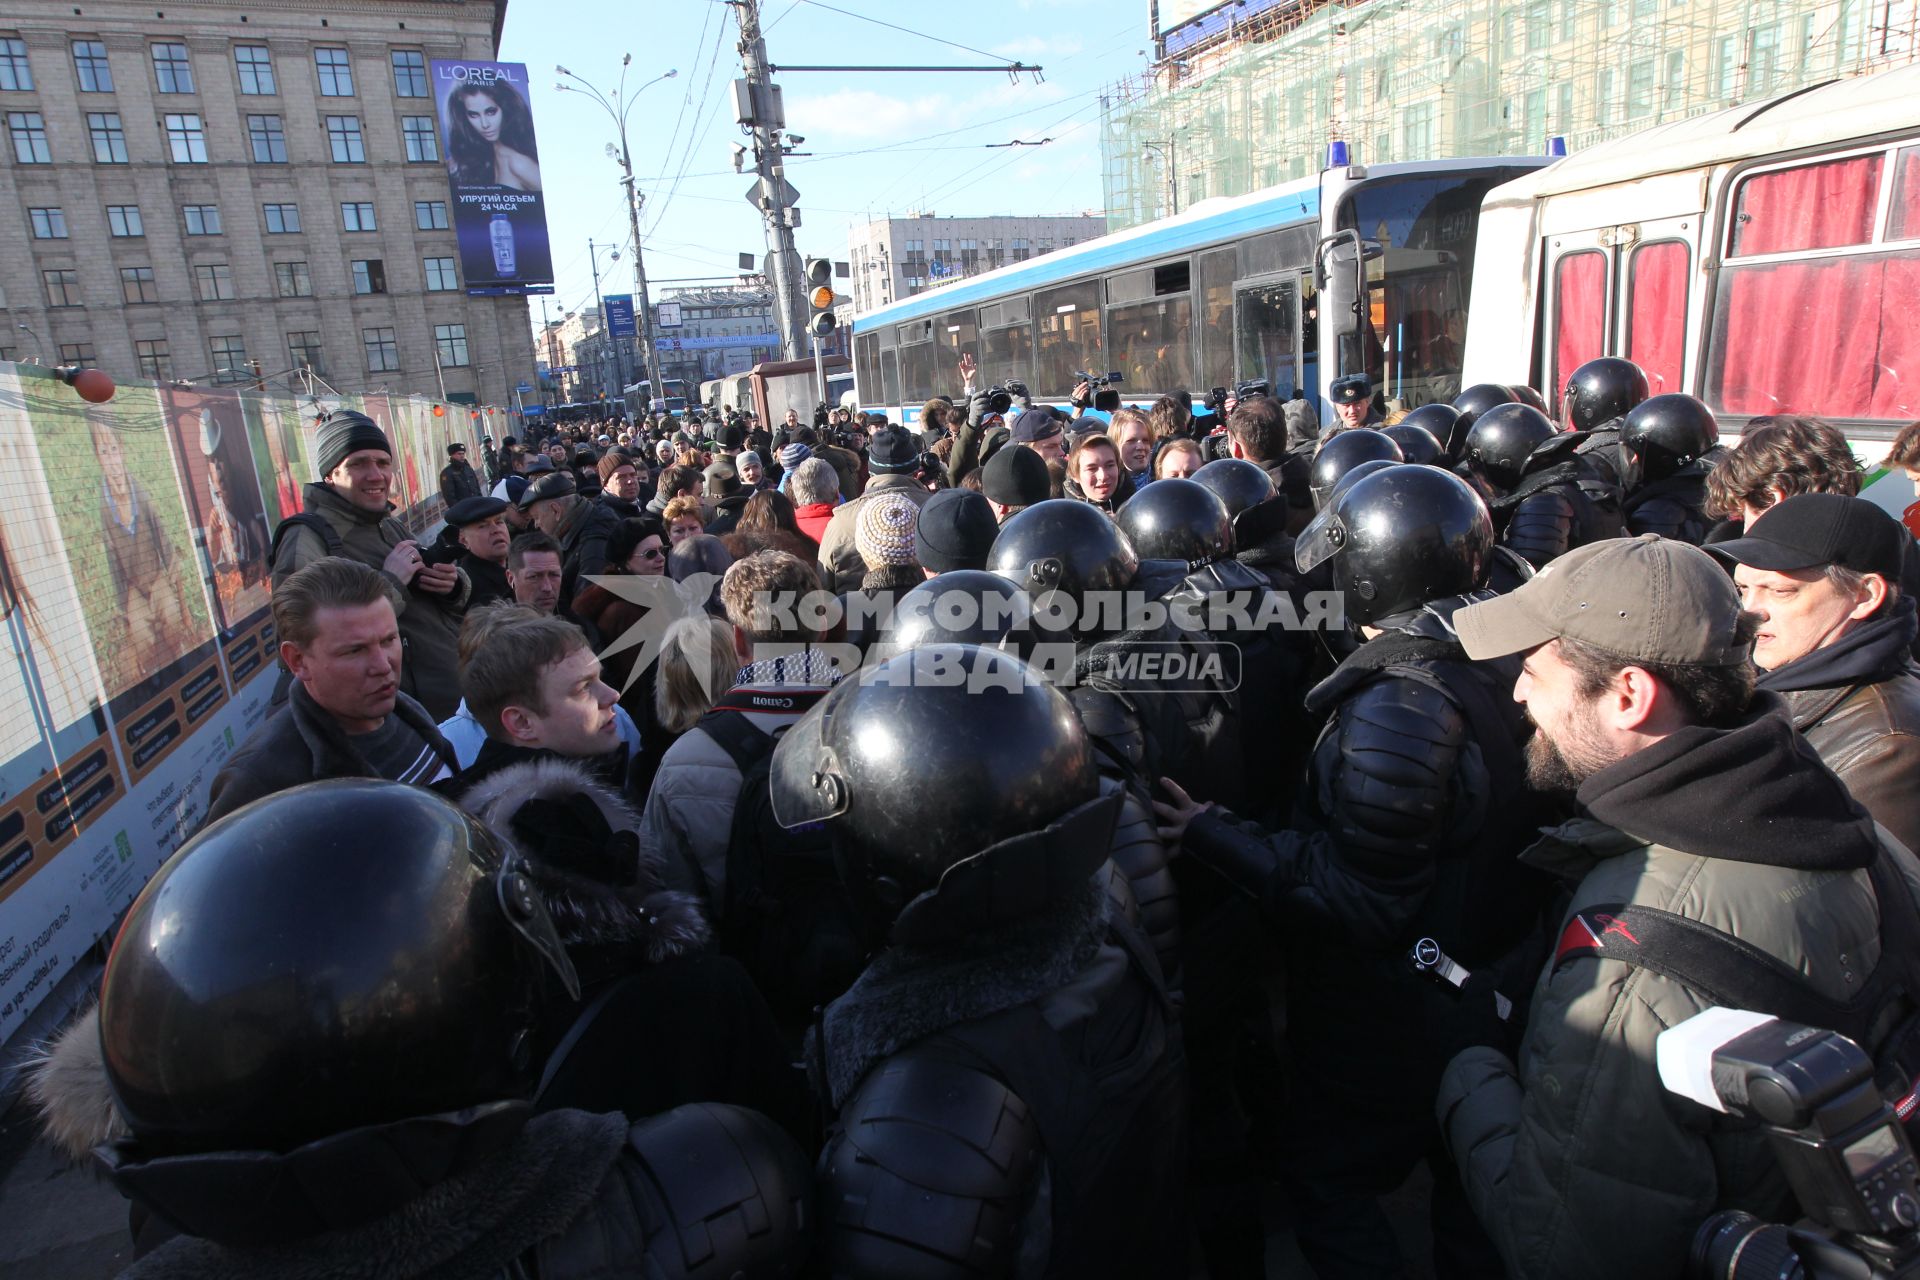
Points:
(1556, 146)
(1337, 154)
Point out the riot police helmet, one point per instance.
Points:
(1240, 484)
(1063, 546)
(961, 606)
(1399, 538)
(1502, 440)
(1417, 444)
(1666, 433)
(1175, 519)
(1600, 391)
(1524, 394)
(1345, 451)
(1470, 404)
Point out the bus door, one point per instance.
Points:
(1271, 342)
(1618, 290)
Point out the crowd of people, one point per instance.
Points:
(870, 899)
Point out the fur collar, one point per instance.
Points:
(909, 993)
(587, 910)
(67, 1084)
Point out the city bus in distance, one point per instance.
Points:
(1362, 268)
(1765, 258)
(636, 396)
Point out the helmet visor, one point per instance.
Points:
(525, 908)
(805, 778)
(1320, 541)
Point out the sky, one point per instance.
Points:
(883, 143)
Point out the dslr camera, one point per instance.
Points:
(1843, 1150)
(1001, 395)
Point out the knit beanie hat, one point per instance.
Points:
(793, 455)
(344, 433)
(611, 461)
(884, 532)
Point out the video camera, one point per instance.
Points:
(1097, 380)
(1245, 390)
(1842, 1148)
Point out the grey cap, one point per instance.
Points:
(1647, 599)
(554, 484)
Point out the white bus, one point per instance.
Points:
(1765, 258)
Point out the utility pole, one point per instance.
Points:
(600, 364)
(649, 354)
(759, 111)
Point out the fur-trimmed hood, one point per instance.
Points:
(612, 896)
(67, 1084)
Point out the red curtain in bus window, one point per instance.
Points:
(1579, 312)
(1799, 337)
(1905, 221)
(1816, 206)
(1896, 388)
(1657, 329)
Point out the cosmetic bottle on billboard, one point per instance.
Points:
(501, 232)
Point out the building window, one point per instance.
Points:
(440, 276)
(383, 353)
(136, 285)
(268, 138)
(370, 276)
(187, 139)
(282, 219)
(124, 220)
(202, 219)
(343, 135)
(409, 74)
(29, 133)
(215, 280)
(108, 138)
(303, 349)
(63, 287)
(1763, 58)
(15, 75)
(151, 357)
(1676, 80)
(229, 357)
(1416, 131)
(77, 353)
(450, 345)
(48, 224)
(356, 215)
(430, 215)
(293, 279)
(336, 73)
(171, 69)
(421, 144)
(90, 64)
(255, 65)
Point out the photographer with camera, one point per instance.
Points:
(984, 431)
(1705, 825)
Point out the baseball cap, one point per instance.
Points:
(892, 449)
(1351, 389)
(1016, 478)
(1646, 599)
(1813, 530)
(1036, 424)
(956, 531)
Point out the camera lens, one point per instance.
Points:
(1738, 1246)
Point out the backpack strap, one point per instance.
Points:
(737, 736)
(305, 520)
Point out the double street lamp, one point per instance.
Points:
(617, 105)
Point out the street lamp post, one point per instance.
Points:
(616, 106)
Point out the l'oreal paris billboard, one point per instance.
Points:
(493, 170)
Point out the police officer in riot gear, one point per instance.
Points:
(1670, 443)
(1417, 444)
(1597, 398)
(1005, 1081)
(1469, 405)
(1408, 826)
(1538, 502)
(316, 1046)
(1345, 452)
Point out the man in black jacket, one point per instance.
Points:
(480, 524)
(458, 479)
(346, 716)
(580, 525)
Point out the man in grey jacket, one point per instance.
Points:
(689, 813)
(891, 459)
(1696, 798)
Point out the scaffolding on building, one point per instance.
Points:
(1435, 79)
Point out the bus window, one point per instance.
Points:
(1009, 355)
(958, 335)
(917, 371)
(1069, 337)
(1904, 224)
(866, 365)
(1579, 312)
(1268, 326)
(890, 376)
(1149, 327)
(1216, 320)
(1657, 311)
(1811, 206)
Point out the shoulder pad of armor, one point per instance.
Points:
(1400, 733)
(1111, 717)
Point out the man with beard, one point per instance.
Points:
(480, 525)
(1696, 800)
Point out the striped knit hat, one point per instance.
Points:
(793, 455)
(885, 530)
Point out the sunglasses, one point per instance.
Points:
(653, 553)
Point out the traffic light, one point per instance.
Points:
(820, 296)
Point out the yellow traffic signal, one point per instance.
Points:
(820, 296)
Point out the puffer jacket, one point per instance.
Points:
(1577, 1160)
(429, 624)
(689, 813)
(1858, 703)
(840, 564)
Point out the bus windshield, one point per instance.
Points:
(1417, 289)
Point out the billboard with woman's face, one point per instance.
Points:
(493, 170)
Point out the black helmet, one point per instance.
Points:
(1476, 400)
(1359, 473)
(1066, 546)
(1176, 519)
(284, 977)
(1600, 391)
(1417, 444)
(1013, 766)
(1345, 451)
(1240, 484)
(1524, 394)
(1440, 419)
(961, 606)
(1501, 441)
(1666, 433)
(1399, 538)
